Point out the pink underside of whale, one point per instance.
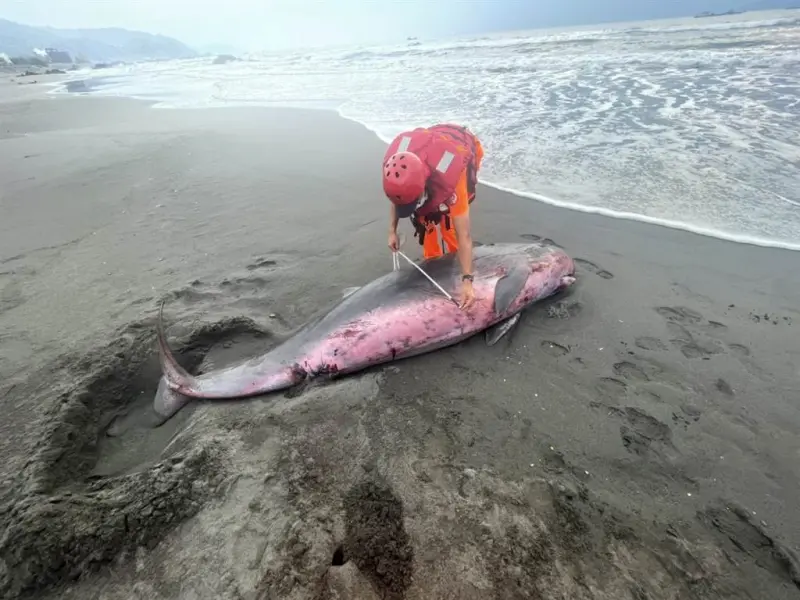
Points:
(397, 316)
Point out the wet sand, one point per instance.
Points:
(634, 438)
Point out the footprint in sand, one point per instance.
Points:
(690, 347)
(537, 238)
(649, 343)
(628, 370)
(593, 268)
(680, 314)
(739, 349)
(697, 351)
(611, 388)
(244, 284)
(686, 316)
(746, 539)
(195, 293)
(679, 319)
(689, 414)
(642, 431)
(247, 291)
(261, 263)
(554, 349)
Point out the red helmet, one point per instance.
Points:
(404, 176)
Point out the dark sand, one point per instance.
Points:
(634, 439)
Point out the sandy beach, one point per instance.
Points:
(635, 438)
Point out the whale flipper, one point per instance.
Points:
(494, 333)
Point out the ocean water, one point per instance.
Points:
(691, 123)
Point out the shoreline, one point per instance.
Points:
(605, 212)
(633, 432)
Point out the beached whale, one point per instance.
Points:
(396, 316)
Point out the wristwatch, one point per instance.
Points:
(467, 278)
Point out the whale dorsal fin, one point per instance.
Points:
(508, 288)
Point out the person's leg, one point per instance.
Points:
(431, 247)
(461, 205)
(478, 154)
(449, 234)
(475, 167)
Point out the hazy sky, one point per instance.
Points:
(254, 24)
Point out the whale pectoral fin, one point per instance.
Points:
(350, 291)
(495, 332)
(508, 288)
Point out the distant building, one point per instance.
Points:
(58, 56)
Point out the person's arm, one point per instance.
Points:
(393, 220)
(464, 238)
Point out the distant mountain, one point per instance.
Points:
(96, 45)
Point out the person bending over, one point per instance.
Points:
(430, 175)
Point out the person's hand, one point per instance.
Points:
(394, 241)
(467, 295)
